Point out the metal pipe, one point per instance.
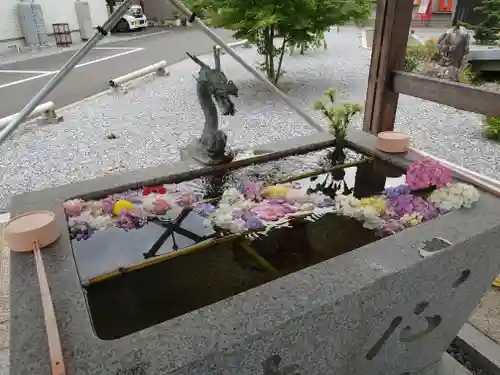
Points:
(56, 79)
(158, 67)
(42, 108)
(216, 39)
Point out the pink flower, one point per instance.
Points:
(161, 206)
(272, 211)
(253, 190)
(427, 172)
(187, 199)
(74, 207)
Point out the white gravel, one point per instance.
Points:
(158, 117)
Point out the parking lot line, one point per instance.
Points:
(109, 57)
(26, 71)
(25, 80)
(41, 74)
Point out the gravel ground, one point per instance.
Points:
(158, 117)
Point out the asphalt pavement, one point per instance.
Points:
(20, 81)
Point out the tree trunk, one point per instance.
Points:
(280, 63)
(269, 41)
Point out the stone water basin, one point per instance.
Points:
(321, 291)
(186, 263)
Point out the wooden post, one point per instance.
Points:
(392, 27)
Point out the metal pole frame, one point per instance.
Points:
(223, 45)
(65, 70)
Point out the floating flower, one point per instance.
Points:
(80, 231)
(426, 173)
(275, 191)
(411, 219)
(322, 201)
(454, 196)
(131, 219)
(74, 207)
(253, 190)
(378, 204)
(101, 222)
(253, 222)
(407, 204)
(307, 207)
(95, 208)
(160, 189)
(231, 196)
(273, 210)
(204, 209)
(161, 206)
(392, 192)
(238, 226)
(129, 195)
(350, 206)
(390, 227)
(187, 199)
(108, 204)
(370, 218)
(122, 205)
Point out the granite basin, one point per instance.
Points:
(364, 305)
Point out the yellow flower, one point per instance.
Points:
(276, 191)
(379, 204)
(122, 205)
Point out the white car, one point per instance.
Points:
(134, 19)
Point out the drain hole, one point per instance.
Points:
(463, 277)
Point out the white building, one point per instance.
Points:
(54, 11)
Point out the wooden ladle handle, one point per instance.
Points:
(56, 357)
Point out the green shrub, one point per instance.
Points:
(417, 54)
(492, 128)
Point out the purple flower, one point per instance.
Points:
(324, 201)
(253, 222)
(108, 204)
(396, 191)
(408, 203)
(204, 209)
(80, 231)
(253, 190)
(132, 219)
(390, 227)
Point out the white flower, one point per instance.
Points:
(411, 219)
(307, 207)
(454, 196)
(231, 196)
(222, 219)
(237, 226)
(370, 217)
(101, 222)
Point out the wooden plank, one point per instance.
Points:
(391, 38)
(458, 95)
(375, 60)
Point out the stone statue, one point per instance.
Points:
(212, 84)
(452, 47)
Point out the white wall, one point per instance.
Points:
(54, 11)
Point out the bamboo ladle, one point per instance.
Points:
(33, 231)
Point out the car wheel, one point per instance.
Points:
(122, 26)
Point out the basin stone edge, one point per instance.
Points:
(380, 309)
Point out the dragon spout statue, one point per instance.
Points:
(213, 87)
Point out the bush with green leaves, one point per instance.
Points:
(418, 54)
(339, 116)
(492, 128)
(272, 25)
(488, 30)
